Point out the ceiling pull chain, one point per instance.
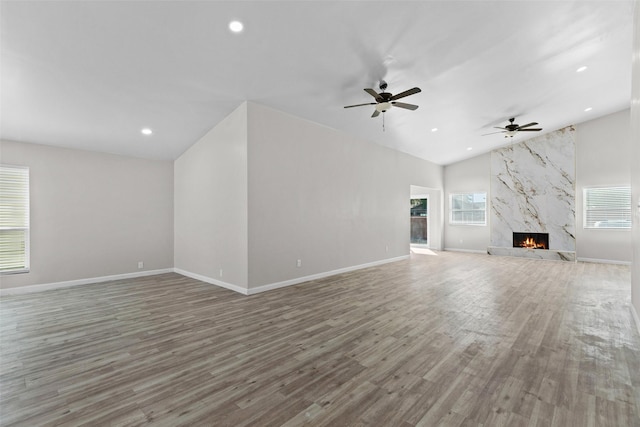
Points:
(383, 121)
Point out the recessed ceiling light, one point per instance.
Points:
(146, 131)
(581, 69)
(236, 26)
(586, 110)
(434, 130)
(469, 148)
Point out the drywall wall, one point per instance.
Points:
(325, 198)
(634, 159)
(93, 214)
(602, 160)
(211, 204)
(471, 175)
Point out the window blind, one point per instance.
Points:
(14, 219)
(468, 208)
(607, 207)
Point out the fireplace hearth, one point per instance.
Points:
(531, 240)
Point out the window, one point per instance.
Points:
(607, 207)
(468, 208)
(14, 219)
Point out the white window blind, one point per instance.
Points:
(468, 208)
(607, 207)
(14, 219)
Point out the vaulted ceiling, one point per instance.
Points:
(92, 74)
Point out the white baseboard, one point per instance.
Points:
(291, 282)
(212, 281)
(604, 261)
(303, 279)
(470, 251)
(59, 285)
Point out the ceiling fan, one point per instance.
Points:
(386, 100)
(513, 128)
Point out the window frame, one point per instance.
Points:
(464, 223)
(585, 211)
(27, 229)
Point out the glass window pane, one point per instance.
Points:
(468, 208)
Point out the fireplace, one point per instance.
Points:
(531, 240)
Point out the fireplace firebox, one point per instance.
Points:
(531, 240)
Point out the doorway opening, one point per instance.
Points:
(419, 213)
(424, 225)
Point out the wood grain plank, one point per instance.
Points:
(452, 339)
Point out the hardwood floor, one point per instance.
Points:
(453, 339)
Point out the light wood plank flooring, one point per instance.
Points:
(453, 339)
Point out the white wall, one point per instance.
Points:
(634, 160)
(602, 160)
(93, 214)
(249, 199)
(471, 175)
(211, 203)
(324, 197)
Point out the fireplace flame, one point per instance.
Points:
(530, 240)
(531, 243)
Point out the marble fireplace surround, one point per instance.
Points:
(533, 191)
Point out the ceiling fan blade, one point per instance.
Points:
(528, 124)
(497, 127)
(403, 105)
(406, 93)
(491, 133)
(529, 130)
(376, 113)
(360, 105)
(373, 93)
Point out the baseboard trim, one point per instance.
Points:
(19, 290)
(604, 261)
(298, 280)
(212, 281)
(470, 251)
(244, 291)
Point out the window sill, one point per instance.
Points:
(3, 273)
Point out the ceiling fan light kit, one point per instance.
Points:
(386, 100)
(383, 106)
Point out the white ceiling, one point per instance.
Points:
(91, 74)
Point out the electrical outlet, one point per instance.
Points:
(386, 248)
(299, 263)
(220, 272)
(140, 264)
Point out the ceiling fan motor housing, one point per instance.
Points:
(512, 127)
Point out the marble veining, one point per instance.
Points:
(533, 253)
(533, 190)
